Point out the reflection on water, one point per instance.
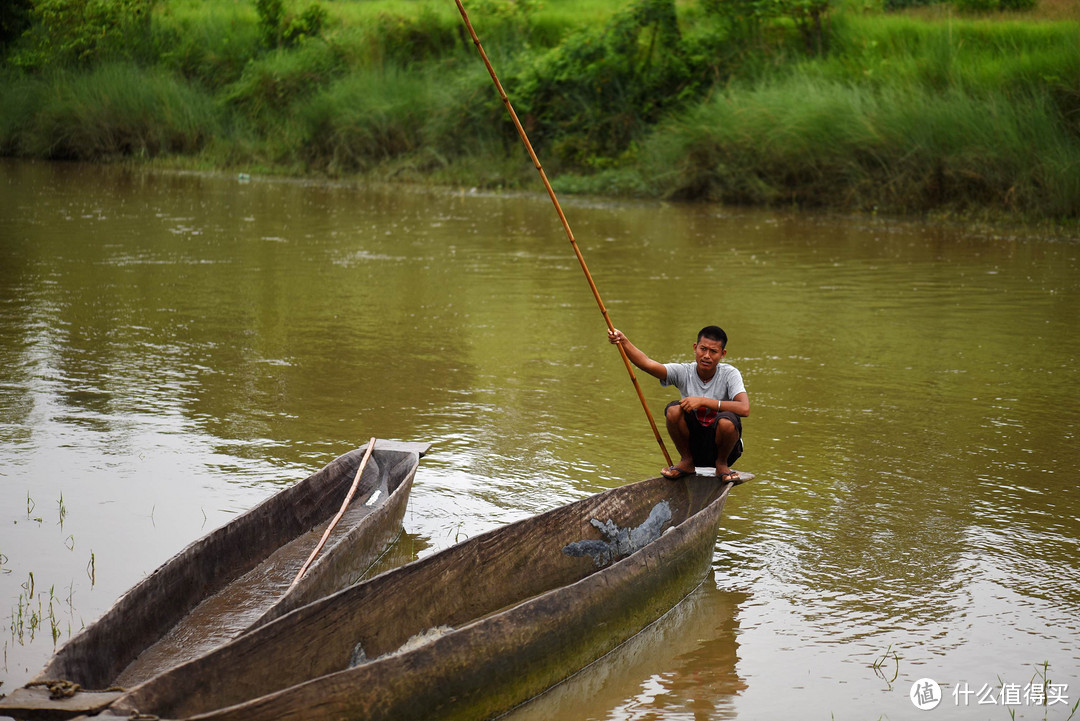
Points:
(685, 663)
(406, 549)
(174, 348)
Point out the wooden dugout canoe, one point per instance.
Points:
(469, 632)
(236, 578)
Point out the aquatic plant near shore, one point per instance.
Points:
(25, 620)
(880, 665)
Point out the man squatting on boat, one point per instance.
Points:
(706, 422)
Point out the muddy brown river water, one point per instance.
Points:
(176, 347)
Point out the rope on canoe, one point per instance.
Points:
(58, 688)
(62, 688)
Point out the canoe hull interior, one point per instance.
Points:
(519, 615)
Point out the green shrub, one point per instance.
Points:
(14, 19)
(600, 88)
(83, 32)
(748, 21)
(271, 21)
(212, 47)
(274, 83)
(279, 29)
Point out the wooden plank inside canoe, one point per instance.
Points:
(36, 703)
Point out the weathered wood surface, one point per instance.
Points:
(235, 578)
(515, 613)
(37, 703)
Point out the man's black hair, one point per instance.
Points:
(713, 332)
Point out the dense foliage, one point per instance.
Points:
(80, 32)
(755, 101)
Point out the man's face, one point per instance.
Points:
(708, 353)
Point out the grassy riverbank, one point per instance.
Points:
(914, 112)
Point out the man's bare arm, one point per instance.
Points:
(637, 357)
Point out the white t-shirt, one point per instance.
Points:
(725, 384)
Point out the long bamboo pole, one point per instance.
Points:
(340, 513)
(565, 224)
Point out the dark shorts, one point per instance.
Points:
(703, 438)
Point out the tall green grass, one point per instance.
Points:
(110, 111)
(209, 43)
(366, 118)
(903, 147)
(371, 117)
(500, 23)
(903, 114)
(975, 55)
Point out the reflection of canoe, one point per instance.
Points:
(235, 578)
(684, 665)
(468, 632)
